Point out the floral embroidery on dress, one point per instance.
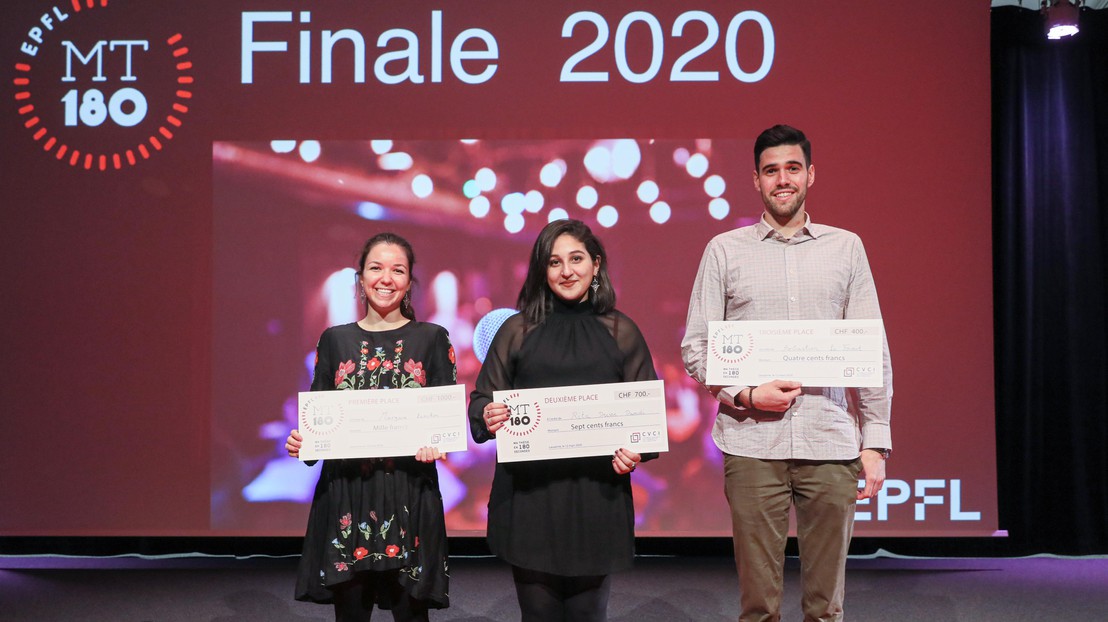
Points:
(368, 534)
(416, 371)
(373, 370)
(342, 374)
(453, 360)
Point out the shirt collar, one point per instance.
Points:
(810, 229)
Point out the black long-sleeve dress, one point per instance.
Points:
(570, 517)
(378, 514)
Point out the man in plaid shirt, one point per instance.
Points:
(785, 444)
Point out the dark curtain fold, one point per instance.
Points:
(1050, 221)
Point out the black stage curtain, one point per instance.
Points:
(1050, 232)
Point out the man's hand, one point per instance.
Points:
(873, 468)
(775, 396)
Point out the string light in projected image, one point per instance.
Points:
(680, 156)
(480, 207)
(648, 192)
(422, 186)
(468, 141)
(714, 186)
(626, 157)
(372, 211)
(396, 161)
(513, 204)
(470, 189)
(486, 179)
(513, 223)
(380, 147)
(310, 150)
(660, 212)
(552, 173)
(557, 214)
(607, 216)
(282, 146)
(587, 197)
(598, 162)
(697, 165)
(610, 160)
(533, 201)
(719, 208)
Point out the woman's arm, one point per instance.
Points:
(497, 373)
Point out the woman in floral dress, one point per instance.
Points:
(564, 525)
(376, 533)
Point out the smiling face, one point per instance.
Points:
(783, 178)
(385, 279)
(570, 269)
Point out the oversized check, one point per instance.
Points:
(379, 424)
(817, 353)
(584, 420)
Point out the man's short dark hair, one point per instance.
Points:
(781, 135)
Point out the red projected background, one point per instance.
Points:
(168, 282)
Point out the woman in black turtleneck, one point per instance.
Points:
(564, 525)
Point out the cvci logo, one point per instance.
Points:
(103, 88)
(439, 438)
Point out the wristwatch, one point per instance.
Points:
(881, 450)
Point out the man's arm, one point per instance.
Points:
(706, 304)
(874, 404)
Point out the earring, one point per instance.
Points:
(595, 284)
(360, 288)
(407, 302)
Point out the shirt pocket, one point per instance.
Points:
(739, 297)
(830, 290)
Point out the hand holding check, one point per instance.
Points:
(495, 414)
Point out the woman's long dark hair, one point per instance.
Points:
(535, 298)
(406, 308)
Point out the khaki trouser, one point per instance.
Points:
(760, 493)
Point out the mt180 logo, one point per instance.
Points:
(96, 94)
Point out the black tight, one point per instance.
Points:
(547, 597)
(354, 599)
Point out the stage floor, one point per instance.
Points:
(658, 589)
